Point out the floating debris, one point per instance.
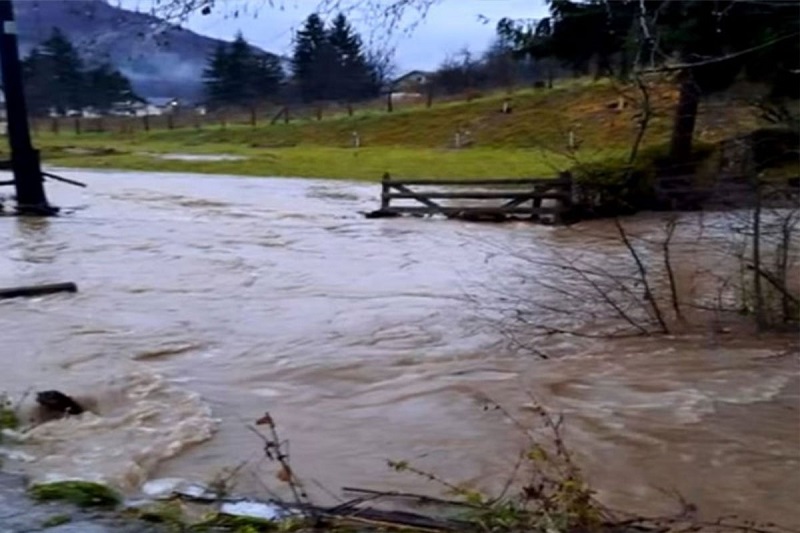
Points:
(254, 509)
(168, 488)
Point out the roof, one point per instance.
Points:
(161, 101)
(410, 74)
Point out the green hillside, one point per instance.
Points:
(533, 140)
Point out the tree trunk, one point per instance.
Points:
(761, 319)
(624, 65)
(685, 119)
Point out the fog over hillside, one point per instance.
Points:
(162, 60)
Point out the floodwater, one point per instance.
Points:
(205, 301)
(196, 157)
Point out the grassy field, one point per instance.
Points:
(534, 140)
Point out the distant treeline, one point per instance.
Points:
(330, 62)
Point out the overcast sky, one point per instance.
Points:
(450, 26)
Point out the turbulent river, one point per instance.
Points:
(205, 301)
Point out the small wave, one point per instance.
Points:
(166, 351)
(201, 203)
(329, 193)
(136, 422)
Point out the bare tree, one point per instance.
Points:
(389, 15)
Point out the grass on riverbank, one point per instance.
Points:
(367, 164)
(534, 140)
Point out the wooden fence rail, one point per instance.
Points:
(518, 198)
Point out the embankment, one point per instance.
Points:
(548, 131)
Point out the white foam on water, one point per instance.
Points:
(141, 420)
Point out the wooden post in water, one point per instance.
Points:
(385, 188)
(25, 164)
(37, 290)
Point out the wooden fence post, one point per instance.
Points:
(146, 122)
(170, 121)
(282, 112)
(349, 109)
(571, 198)
(319, 113)
(429, 97)
(253, 117)
(389, 103)
(385, 188)
(77, 125)
(54, 125)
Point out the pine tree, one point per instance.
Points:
(236, 75)
(312, 60)
(35, 79)
(215, 76)
(106, 86)
(240, 66)
(332, 63)
(268, 75)
(64, 71)
(55, 79)
(350, 74)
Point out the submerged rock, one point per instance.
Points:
(58, 403)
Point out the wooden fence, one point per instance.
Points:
(261, 114)
(499, 199)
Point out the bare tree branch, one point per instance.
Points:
(721, 59)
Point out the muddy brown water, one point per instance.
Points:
(205, 301)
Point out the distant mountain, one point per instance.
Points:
(161, 59)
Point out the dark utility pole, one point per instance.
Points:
(25, 164)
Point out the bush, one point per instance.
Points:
(613, 186)
(80, 493)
